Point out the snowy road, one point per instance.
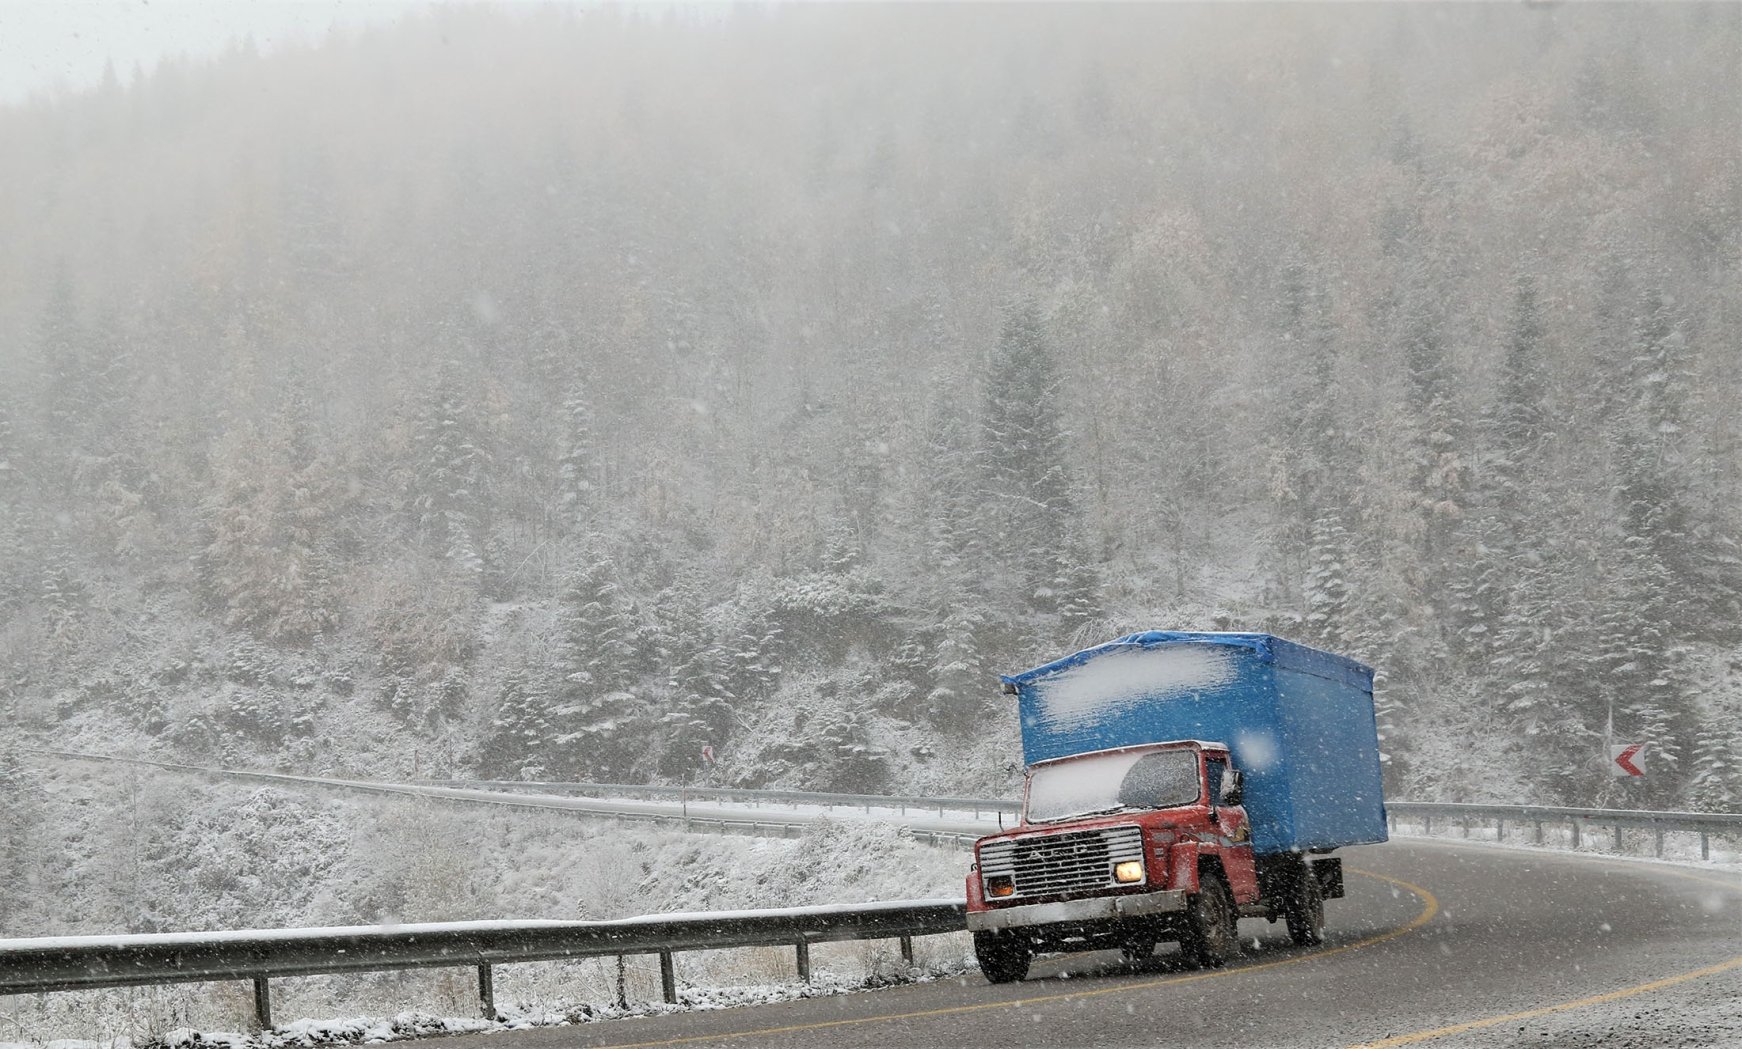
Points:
(1440, 942)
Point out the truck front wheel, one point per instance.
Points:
(1212, 934)
(1003, 959)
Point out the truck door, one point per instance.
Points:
(1236, 833)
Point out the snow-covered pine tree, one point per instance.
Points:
(699, 709)
(1715, 784)
(1311, 456)
(269, 527)
(1328, 591)
(952, 515)
(304, 508)
(1024, 456)
(592, 706)
(579, 494)
(1502, 535)
(961, 684)
(63, 596)
(448, 493)
(1691, 536)
(521, 730)
(1643, 655)
(15, 550)
(757, 657)
(68, 396)
(1438, 473)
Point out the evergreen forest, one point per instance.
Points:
(728, 394)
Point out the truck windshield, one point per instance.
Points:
(1112, 782)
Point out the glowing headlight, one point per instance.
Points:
(1000, 885)
(1129, 871)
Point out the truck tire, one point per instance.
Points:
(1212, 933)
(1304, 909)
(1003, 959)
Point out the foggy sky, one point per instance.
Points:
(63, 45)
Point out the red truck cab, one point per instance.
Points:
(1128, 847)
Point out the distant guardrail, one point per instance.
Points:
(900, 803)
(1704, 824)
(71, 963)
(687, 812)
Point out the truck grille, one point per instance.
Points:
(1051, 864)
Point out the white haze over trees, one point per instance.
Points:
(558, 392)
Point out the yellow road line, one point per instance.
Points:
(1430, 907)
(1595, 999)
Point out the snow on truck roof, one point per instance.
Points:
(1268, 648)
(1172, 744)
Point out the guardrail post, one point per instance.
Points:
(907, 950)
(1499, 830)
(1705, 846)
(1660, 843)
(667, 978)
(804, 961)
(1617, 837)
(1539, 832)
(1575, 832)
(486, 992)
(262, 1003)
(1427, 824)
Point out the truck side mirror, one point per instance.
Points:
(1233, 788)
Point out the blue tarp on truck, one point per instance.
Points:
(1298, 720)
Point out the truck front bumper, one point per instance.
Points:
(1078, 912)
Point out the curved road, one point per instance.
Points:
(1440, 943)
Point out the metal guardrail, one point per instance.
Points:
(960, 834)
(87, 962)
(1704, 824)
(901, 803)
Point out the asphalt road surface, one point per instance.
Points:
(1437, 943)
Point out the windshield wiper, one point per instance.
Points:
(1088, 812)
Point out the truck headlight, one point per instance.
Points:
(1000, 885)
(1128, 872)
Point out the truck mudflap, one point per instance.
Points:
(1073, 912)
(1329, 872)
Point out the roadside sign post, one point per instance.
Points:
(1627, 761)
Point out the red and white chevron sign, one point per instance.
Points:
(1627, 760)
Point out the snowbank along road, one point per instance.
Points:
(1437, 942)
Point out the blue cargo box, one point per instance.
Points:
(1299, 722)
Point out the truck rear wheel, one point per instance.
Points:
(1212, 932)
(1003, 959)
(1304, 908)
